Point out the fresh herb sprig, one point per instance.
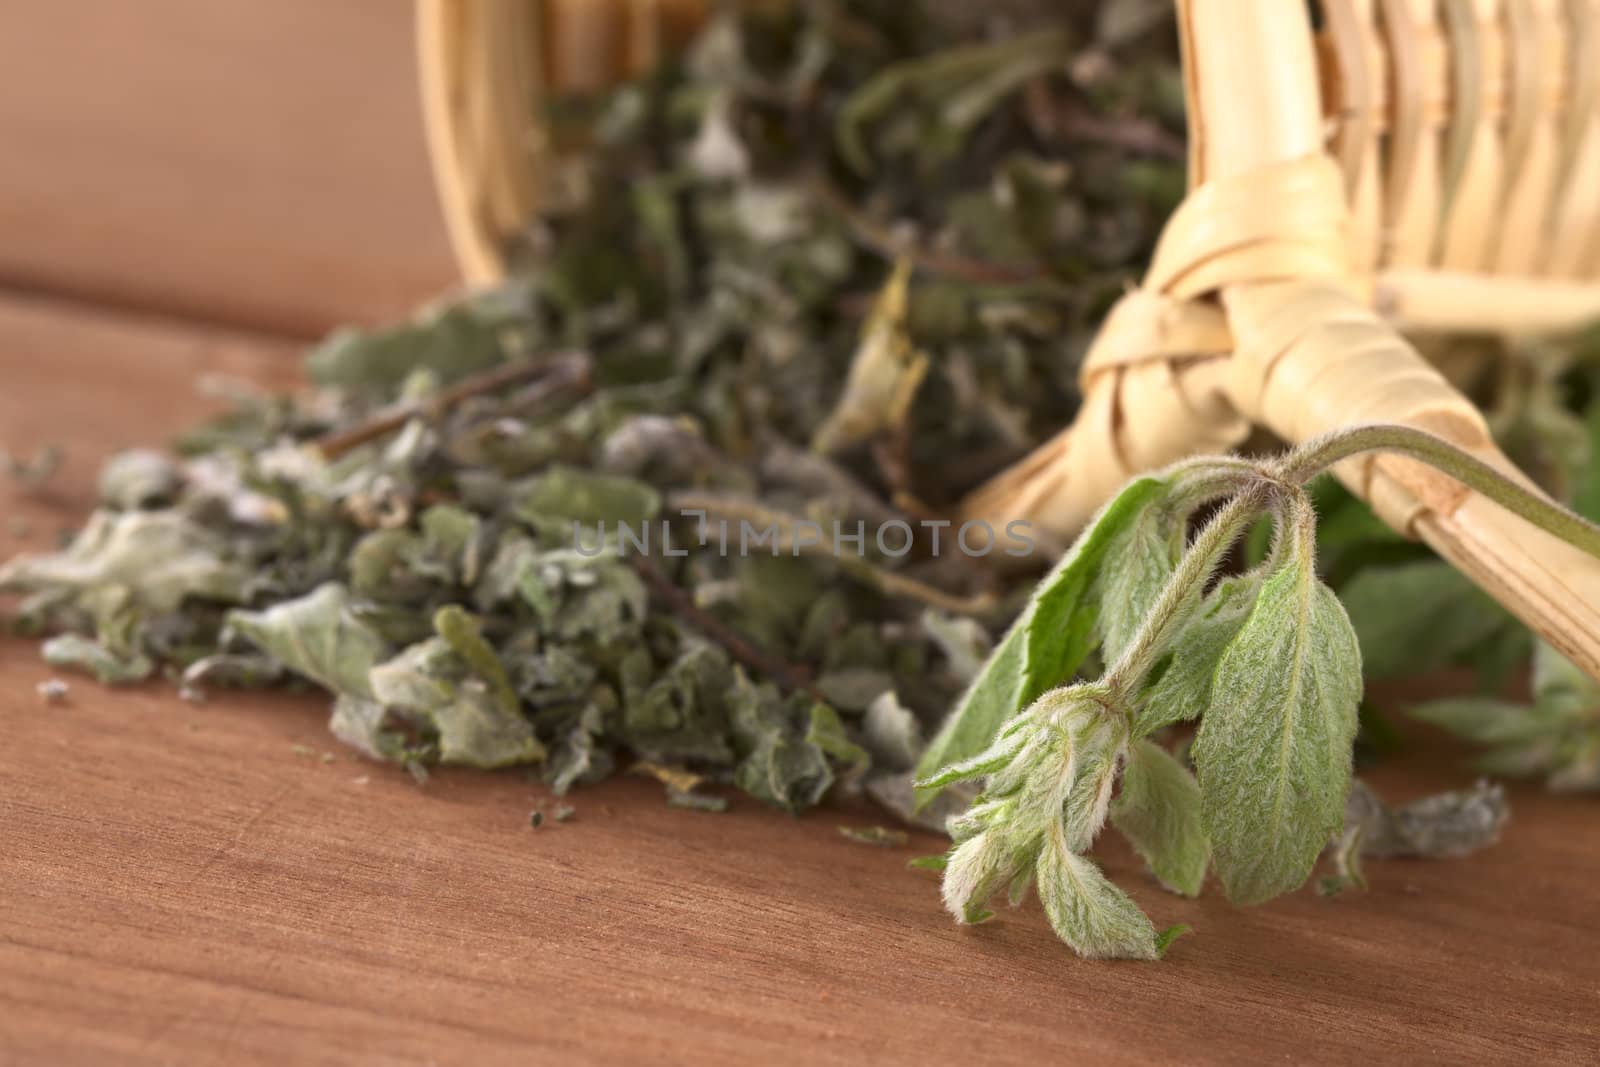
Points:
(1267, 660)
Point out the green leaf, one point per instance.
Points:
(1140, 560)
(1274, 746)
(1557, 678)
(475, 730)
(1419, 616)
(478, 725)
(1484, 720)
(1086, 911)
(1158, 811)
(318, 636)
(827, 732)
(1166, 937)
(464, 634)
(974, 872)
(779, 765)
(580, 496)
(1183, 689)
(1045, 645)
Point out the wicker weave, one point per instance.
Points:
(1415, 165)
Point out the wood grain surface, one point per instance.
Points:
(199, 884)
(253, 163)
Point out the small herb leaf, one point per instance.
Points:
(1158, 811)
(1274, 746)
(1086, 911)
(1045, 645)
(1140, 560)
(1183, 689)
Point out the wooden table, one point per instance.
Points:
(200, 884)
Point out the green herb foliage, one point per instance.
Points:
(1270, 662)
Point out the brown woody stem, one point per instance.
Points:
(568, 372)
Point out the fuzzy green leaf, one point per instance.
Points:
(1183, 689)
(975, 870)
(1274, 746)
(1047, 642)
(1139, 561)
(1086, 911)
(1158, 811)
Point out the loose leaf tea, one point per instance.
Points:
(816, 277)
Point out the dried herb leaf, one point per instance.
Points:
(77, 653)
(318, 636)
(884, 375)
(159, 557)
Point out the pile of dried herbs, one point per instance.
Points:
(768, 251)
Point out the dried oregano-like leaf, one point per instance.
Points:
(1273, 750)
(79, 653)
(1158, 811)
(319, 637)
(159, 558)
(1047, 642)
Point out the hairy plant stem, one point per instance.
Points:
(1199, 561)
(1317, 455)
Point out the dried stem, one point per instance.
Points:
(930, 261)
(886, 582)
(680, 603)
(561, 374)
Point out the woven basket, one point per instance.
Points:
(487, 65)
(1406, 167)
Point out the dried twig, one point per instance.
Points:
(1059, 119)
(942, 264)
(886, 582)
(790, 676)
(570, 372)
